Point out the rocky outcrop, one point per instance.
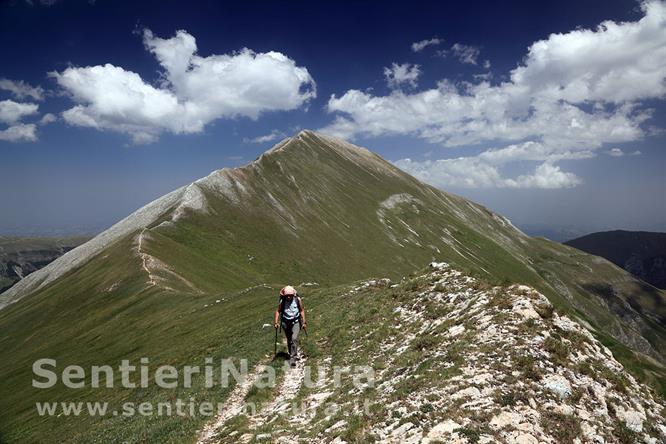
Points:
(469, 363)
(523, 374)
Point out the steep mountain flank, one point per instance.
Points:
(323, 198)
(641, 253)
(195, 272)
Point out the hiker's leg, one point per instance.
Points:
(288, 334)
(296, 329)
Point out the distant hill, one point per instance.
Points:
(641, 253)
(20, 256)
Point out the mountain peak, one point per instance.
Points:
(309, 136)
(311, 146)
(306, 132)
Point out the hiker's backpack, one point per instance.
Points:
(299, 304)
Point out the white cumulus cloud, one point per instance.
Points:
(618, 152)
(399, 74)
(484, 170)
(547, 176)
(466, 53)
(21, 89)
(421, 45)
(193, 91)
(20, 132)
(270, 137)
(47, 118)
(12, 112)
(615, 63)
(572, 94)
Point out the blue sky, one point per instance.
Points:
(551, 113)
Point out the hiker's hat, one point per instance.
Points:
(288, 291)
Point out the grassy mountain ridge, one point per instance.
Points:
(311, 209)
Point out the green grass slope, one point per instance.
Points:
(312, 209)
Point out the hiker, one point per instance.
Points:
(291, 315)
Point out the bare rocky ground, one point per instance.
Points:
(459, 361)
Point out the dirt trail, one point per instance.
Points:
(289, 387)
(144, 259)
(233, 406)
(151, 265)
(291, 384)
